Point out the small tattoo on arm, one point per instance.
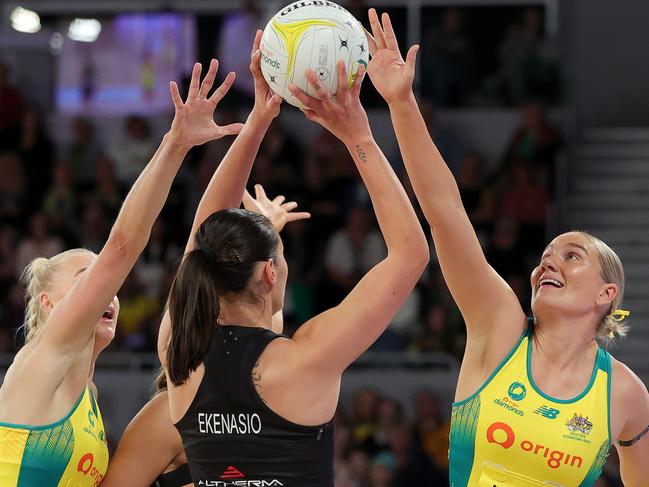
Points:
(361, 153)
(256, 379)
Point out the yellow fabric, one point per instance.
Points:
(523, 437)
(72, 452)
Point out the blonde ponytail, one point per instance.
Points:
(612, 324)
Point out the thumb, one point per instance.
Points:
(411, 58)
(231, 129)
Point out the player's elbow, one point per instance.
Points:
(122, 245)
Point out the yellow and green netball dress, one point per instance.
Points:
(69, 453)
(510, 434)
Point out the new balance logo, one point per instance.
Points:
(547, 412)
(231, 473)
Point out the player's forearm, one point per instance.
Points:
(225, 189)
(431, 178)
(394, 212)
(148, 195)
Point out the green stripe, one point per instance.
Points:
(596, 468)
(46, 456)
(464, 423)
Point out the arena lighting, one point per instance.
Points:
(84, 30)
(24, 20)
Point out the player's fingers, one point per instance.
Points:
(248, 200)
(298, 215)
(358, 82)
(256, 43)
(260, 193)
(343, 81)
(411, 59)
(289, 205)
(321, 91)
(222, 90)
(207, 83)
(279, 199)
(175, 95)
(306, 100)
(193, 85)
(230, 129)
(388, 33)
(371, 42)
(377, 30)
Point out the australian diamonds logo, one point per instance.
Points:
(515, 393)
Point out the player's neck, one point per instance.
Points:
(246, 314)
(562, 346)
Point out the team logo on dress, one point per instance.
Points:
(579, 424)
(517, 391)
(547, 412)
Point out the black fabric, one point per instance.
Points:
(176, 478)
(229, 434)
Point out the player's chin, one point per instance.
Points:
(105, 332)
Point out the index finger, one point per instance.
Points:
(259, 192)
(377, 30)
(371, 42)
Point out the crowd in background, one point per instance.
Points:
(58, 196)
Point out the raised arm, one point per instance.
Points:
(72, 322)
(328, 343)
(486, 301)
(279, 212)
(225, 189)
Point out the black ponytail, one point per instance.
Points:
(229, 244)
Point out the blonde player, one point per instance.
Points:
(540, 403)
(51, 430)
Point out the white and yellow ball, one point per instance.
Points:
(311, 34)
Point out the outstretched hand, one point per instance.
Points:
(278, 212)
(267, 102)
(342, 114)
(390, 74)
(193, 122)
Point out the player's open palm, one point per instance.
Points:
(278, 210)
(390, 74)
(266, 101)
(342, 114)
(193, 122)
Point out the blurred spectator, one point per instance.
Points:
(278, 167)
(525, 200)
(106, 191)
(528, 61)
(445, 68)
(12, 187)
(535, 143)
(432, 428)
(382, 471)
(37, 153)
(158, 256)
(445, 141)
(8, 251)
(132, 152)
(136, 312)
(82, 151)
(94, 227)
(11, 109)
(438, 334)
(365, 405)
(351, 252)
(389, 413)
(60, 203)
(412, 464)
(39, 243)
(470, 181)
